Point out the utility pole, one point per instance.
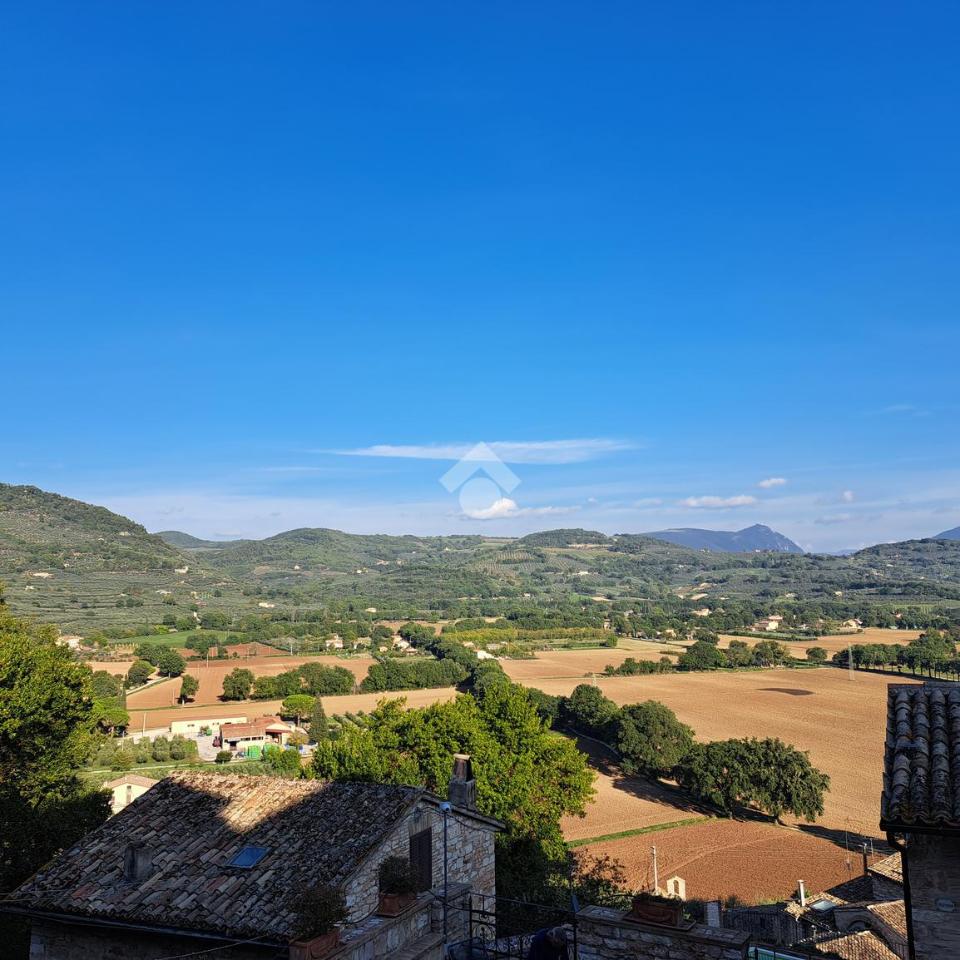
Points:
(656, 875)
(850, 661)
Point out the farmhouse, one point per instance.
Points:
(202, 862)
(253, 736)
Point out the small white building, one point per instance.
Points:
(126, 789)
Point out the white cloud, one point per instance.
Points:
(834, 519)
(510, 451)
(771, 482)
(647, 502)
(847, 496)
(505, 508)
(743, 500)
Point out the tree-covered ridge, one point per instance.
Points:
(40, 529)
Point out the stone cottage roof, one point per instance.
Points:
(921, 779)
(893, 913)
(193, 824)
(855, 946)
(889, 867)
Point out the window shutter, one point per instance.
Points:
(421, 859)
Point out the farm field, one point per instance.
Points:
(350, 703)
(623, 803)
(835, 643)
(841, 722)
(720, 858)
(579, 663)
(210, 676)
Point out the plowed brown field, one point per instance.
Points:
(211, 677)
(719, 858)
(840, 721)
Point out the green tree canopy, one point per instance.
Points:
(237, 684)
(651, 739)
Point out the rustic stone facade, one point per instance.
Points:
(604, 934)
(470, 856)
(933, 873)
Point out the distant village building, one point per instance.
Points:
(253, 736)
(124, 790)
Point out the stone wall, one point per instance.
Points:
(604, 934)
(66, 941)
(932, 864)
(471, 858)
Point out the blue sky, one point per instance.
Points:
(276, 266)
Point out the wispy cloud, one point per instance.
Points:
(510, 451)
(505, 508)
(772, 482)
(722, 503)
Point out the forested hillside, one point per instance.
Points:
(82, 566)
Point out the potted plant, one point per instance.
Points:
(318, 910)
(653, 908)
(398, 886)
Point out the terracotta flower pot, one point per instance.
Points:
(393, 904)
(650, 908)
(315, 947)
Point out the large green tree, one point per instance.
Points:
(525, 776)
(651, 739)
(47, 720)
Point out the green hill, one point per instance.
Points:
(84, 567)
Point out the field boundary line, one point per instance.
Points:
(653, 828)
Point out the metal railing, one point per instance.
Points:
(500, 928)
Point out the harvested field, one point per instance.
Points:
(211, 677)
(117, 668)
(576, 663)
(351, 703)
(720, 858)
(841, 722)
(836, 642)
(623, 803)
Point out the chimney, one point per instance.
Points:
(803, 893)
(137, 862)
(463, 787)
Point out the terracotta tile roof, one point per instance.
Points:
(194, 824)
(893, 913)
(889, 867)
(855, 946)
(857, 890)
(132, 778)
(256, 728)
(921, 778)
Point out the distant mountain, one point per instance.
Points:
(186, 541)
(748, 540)
(953, 534)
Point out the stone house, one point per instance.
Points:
(920, 811)
(204, 861)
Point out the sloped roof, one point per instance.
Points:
(132, 778)
(921, 779)
(255, 728)
(194, 823)
(889, 867)
(855, 946)
(893, 913)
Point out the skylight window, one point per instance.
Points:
(248, 857)
(822, 905)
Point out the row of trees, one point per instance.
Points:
(764, 774)
(934, 652)
(313, 679)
